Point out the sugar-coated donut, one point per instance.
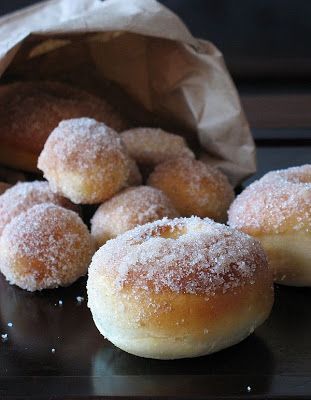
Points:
(45, 247)
(85, 161)
(29, 111)
(3, 187)
(24, 195)
(152, 146)
(277, 210)
(179, 288)
(194, 188)
(129, 208)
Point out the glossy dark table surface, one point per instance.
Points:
(53, 350)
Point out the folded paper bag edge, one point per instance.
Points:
(93, 16)
(146, 17)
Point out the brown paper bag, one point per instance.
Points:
(141, 54)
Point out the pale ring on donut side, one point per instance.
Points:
(277, 210)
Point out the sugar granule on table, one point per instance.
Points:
(4, 337)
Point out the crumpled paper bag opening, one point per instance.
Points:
(139, 56)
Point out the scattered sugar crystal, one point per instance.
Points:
(60, 303)
(10, 324)
(53, 350)
(80, 299)
(4, 337)
(249, 389)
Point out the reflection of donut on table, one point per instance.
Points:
(277, 211)
(250, 356)
(39, 325)
(179, 288)
(29, 111)
(30, 314)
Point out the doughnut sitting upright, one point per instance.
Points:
(179, 288)
(277, 210)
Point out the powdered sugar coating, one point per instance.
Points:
(280, 201)
(184, 255)
(23, 196)
(152, 146)
(129, 208)
(194, 187)
(78, 143)
(85, 160)
(45, 247)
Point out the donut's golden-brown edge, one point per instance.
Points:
(152, 146)
(29, 111)
(277, 211)
(24, 195)
(194, 188)
(45, 247)
(182, 325)
(165, 324)
(131, 207)
(85, 161)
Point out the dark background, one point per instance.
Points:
(266, 44)
(262, 39)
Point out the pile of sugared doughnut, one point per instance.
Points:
(169, 279)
